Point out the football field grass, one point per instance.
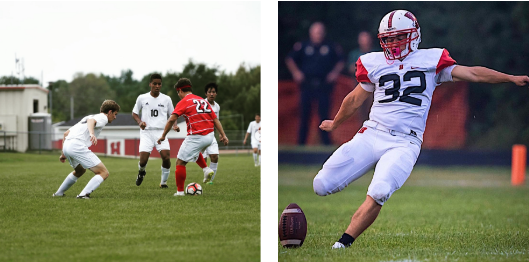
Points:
(440, 214)
(124, 222)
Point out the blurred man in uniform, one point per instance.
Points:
(315, 65)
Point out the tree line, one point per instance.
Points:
(238, 94)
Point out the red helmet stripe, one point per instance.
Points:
(390, 21)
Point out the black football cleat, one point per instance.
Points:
(164, 186)
(141, 174)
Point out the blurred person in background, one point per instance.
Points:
(315, 65)
(365, 45)
(254, 131)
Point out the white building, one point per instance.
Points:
(17, 104)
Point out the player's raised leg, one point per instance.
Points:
(144, 158)
(70, 180)
(101, 174)
(166, 167)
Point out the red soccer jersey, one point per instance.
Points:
(198, 114)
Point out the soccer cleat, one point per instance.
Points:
(87, 196)
(210, 183)
(164, 186)
(208, 174)
(56, 195)
(180, 193)
(139, 179)
(338, 245)
(256, 165)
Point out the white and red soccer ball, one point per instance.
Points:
(194, 189)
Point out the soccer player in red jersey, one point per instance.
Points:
(201, 121)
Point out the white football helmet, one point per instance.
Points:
(396, 23)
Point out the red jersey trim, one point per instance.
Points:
(445, 61)
(361, 72)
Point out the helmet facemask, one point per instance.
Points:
(395, 49)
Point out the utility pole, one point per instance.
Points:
(50, 86)
(71, 107)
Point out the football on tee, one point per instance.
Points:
(194, 189)
(292, 226)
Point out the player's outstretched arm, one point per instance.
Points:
(168, 125)
(218, 126)
(349, 106)
(485, 75)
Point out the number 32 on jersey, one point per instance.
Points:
(394, 91)
(202, 106)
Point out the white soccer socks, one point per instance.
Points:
(92, 185)
(165, 175)
(141, 168)
(214, 167)
(68, 182)
(255, 159)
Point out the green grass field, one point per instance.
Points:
(440, 214)
(124, 222)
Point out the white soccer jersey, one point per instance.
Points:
(80, 130)
(253, 129)
(403, 89)
(216, 108)
(154, 110)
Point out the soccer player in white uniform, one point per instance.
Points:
(254, 130)
(402, 80)
(76, 141)
(155, 109)
(213, 150)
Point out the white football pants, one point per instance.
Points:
(392, 154)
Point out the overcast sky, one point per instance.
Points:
(62, 38)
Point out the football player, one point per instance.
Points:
(76, 141)
(402, 79)
(201, 121)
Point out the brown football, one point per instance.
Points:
(292, 226)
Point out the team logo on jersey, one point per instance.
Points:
(160, 105)
(324, 50)
(147, 103)
(257, 135)
(309, 50)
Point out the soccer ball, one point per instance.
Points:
(194, 189)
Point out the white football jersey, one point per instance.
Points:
(154, 110)
(403, 89)
(80, 130)
(253, 129)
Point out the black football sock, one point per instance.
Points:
(346, 239)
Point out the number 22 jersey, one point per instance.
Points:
(403, 89)
(198, 114)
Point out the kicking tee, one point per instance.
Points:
(255, 131)
(198, 114)
(80, 130)
(154, 110)
(403, 89)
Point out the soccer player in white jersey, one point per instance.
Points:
(213, 150)
(155, 109)
(76, 141)
(254, 130)
(402, 80)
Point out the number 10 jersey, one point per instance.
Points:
(154, 110)
(403, 89)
